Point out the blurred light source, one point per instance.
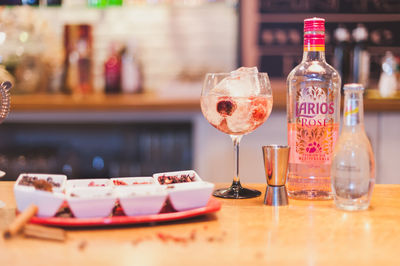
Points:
(3, 37)
(20, 50)
(23, 37)
(98, 163)
(67, 169)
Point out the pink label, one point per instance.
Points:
(312, 143)
(313, 134)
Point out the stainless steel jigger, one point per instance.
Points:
(275, 164)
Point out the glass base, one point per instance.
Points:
(236, 192)
(310, 195)
(357, 204)
(351, 207)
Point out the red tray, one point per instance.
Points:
(213, 206)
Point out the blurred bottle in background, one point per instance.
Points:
(131, 78)
(30, 2)
(104, 3)
(112, 70)
(97, 3)
(361, 56)
(78, 58)
(53, 2)
(342, 53)
(114, 2)
(388, 81)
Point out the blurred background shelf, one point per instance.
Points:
(290, 17)
(159, 102)
(102, 102)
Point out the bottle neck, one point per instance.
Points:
(313, 56)
(353, 115)
(314, 46)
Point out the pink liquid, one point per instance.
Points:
(236, 115)
(310, 160)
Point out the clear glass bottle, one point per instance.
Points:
(313, 112)
(353, 166)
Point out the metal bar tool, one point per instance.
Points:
(276, 165)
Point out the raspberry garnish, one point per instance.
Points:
(226, 106)
(259, 113)
(259, 110)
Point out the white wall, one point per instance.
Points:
(389, 148)
(214, 151)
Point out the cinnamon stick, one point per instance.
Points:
(16, 226)
(39, 231)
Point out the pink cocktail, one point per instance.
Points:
(236, 103)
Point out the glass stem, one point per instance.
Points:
(236, 180)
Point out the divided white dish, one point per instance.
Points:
(94, 198)
(91, 202)
(48, 202)
(186, 195)
(133, 181)
(141, 200)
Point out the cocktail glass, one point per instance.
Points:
(236, 103)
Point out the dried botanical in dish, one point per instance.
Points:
(40, 184)
(119, 183)
(123, 183)
(173, 179)
(93, 184)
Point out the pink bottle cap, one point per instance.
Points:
(314, 24)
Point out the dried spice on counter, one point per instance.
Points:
(177, 239)
(82, 245)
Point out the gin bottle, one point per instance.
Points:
(313, 113)
(353, 167)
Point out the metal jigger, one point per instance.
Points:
(275, 164)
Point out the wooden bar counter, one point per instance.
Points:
(243, 232)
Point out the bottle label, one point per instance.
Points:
(313, 135)
(351, 112)
(314, 42)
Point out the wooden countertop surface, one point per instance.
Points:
(152, 101)
(243, 232)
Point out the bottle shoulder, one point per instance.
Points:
(317, 73)
(348, 139)
(313, 68)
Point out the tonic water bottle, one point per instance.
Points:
(353, 167)
(313, 112)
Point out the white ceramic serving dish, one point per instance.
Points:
(185, 196)
(129, 181)
(48, 202)
(178, 174)
(91, 202)
(90, 182)
(141, 200)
